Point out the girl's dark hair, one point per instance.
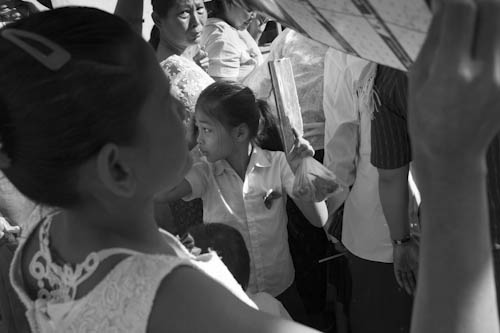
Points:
(233, 104)
(215, 8)
(229, 245)
(51, 122)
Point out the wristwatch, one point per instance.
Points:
(401, 241)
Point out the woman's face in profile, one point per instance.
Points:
(184, 22)
(239, 17)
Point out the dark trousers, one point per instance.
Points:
(378, 304)
(292, 302)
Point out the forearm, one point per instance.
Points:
(456, 257)
(180, 191)
(315, 212)
(393, 193)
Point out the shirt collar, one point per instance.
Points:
(259, 158)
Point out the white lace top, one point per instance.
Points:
(187, 80)
(121, 302)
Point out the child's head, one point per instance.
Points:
(179, 23)
(229, 245)
(227, 113)
(91, 122)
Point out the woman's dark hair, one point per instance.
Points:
(229, 245)
(154, 37)
(52, 121)
(215, 8)
(233, 104)
(161, 8)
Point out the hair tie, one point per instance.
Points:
(4, 158)
(54, 60)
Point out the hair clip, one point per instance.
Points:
(54, 60)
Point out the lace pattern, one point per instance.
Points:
(62, 281)
(120, 302)
(187, 80)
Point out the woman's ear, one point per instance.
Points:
(115, 172)
(241, 133)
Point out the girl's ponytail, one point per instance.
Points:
(268, 136)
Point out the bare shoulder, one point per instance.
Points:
(189, 301)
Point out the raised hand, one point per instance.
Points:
(455, 82)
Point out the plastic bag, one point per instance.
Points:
(313, 181)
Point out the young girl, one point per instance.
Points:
(87, 126)
(244, 185)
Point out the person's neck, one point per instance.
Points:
(88, 229)
(166, 49)
(240, 159)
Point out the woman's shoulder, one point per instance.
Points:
(217, 24)
(183, 289)
(216, 28)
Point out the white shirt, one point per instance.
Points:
(347, 153)
(232, 53)
(240, 204)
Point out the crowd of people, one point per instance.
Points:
(145, 184)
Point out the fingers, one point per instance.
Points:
(457, 34)
(488, 35)
(399, 278)
(425, 57)
(406, 280)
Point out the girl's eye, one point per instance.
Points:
(207, 130)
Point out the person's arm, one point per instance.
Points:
(391, 155)
(341, 125)
(394, 198)
(393, 191)
(132, 12)
(181, 306)
(192, 186)
(450, 130)
(180, 191)
(315, 212)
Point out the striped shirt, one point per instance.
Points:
(391, 144)
(389, 136)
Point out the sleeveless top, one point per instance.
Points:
(187, 80)
(120, 302)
